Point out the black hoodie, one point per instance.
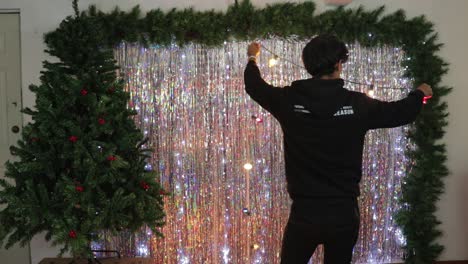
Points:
(323, 128)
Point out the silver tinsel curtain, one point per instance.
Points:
(205, 131)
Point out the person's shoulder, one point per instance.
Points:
(356, 94)
(295, 85)
(359, 99)
(298, 83)
(359, 95)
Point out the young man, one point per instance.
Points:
(323, 128)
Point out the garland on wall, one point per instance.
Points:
(242, 21)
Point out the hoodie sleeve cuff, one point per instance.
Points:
(418, 93)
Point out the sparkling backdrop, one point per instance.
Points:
(204, 128)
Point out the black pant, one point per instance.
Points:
(331, 222)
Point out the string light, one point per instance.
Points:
(248, 166)
(426, 98)
(246, 211)
(257, 119)
(148, 167)
(273, 61)
(370, 92)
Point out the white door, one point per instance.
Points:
(10, 105)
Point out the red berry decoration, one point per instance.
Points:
(162, 192)
(144, 185)
(79, 188)
(73, 139)
(111, 158)
(72, 234)
(101, 121)
(84, 92)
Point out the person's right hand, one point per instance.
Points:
(253, 49)
(426, 89)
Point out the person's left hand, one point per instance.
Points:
(253, 49)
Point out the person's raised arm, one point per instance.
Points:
(392, 114)
(263, 93)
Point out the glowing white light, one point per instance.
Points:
(148, 167)
(185, 260)
(401, 239)
(226, 254)
(272, 62)
(370, 93)
(248, 166)
(142, 250)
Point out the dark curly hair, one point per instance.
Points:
(322, 53)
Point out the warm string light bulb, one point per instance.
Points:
(273, 61)
(248, 166)
(371, 92)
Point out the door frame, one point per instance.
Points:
(17, 11)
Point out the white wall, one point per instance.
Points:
(451, 21)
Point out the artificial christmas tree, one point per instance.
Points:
(81, 163)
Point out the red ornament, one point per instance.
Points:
(111, 90)
(101, 121)
(84, 92)
(257, 119)
(144, 185)
(72, 234)
(111, 158)
(34, 139)
(162, 192)
(79, 188)
(73, 139)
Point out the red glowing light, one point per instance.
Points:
(426, 98)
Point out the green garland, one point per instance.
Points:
(243, 21)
